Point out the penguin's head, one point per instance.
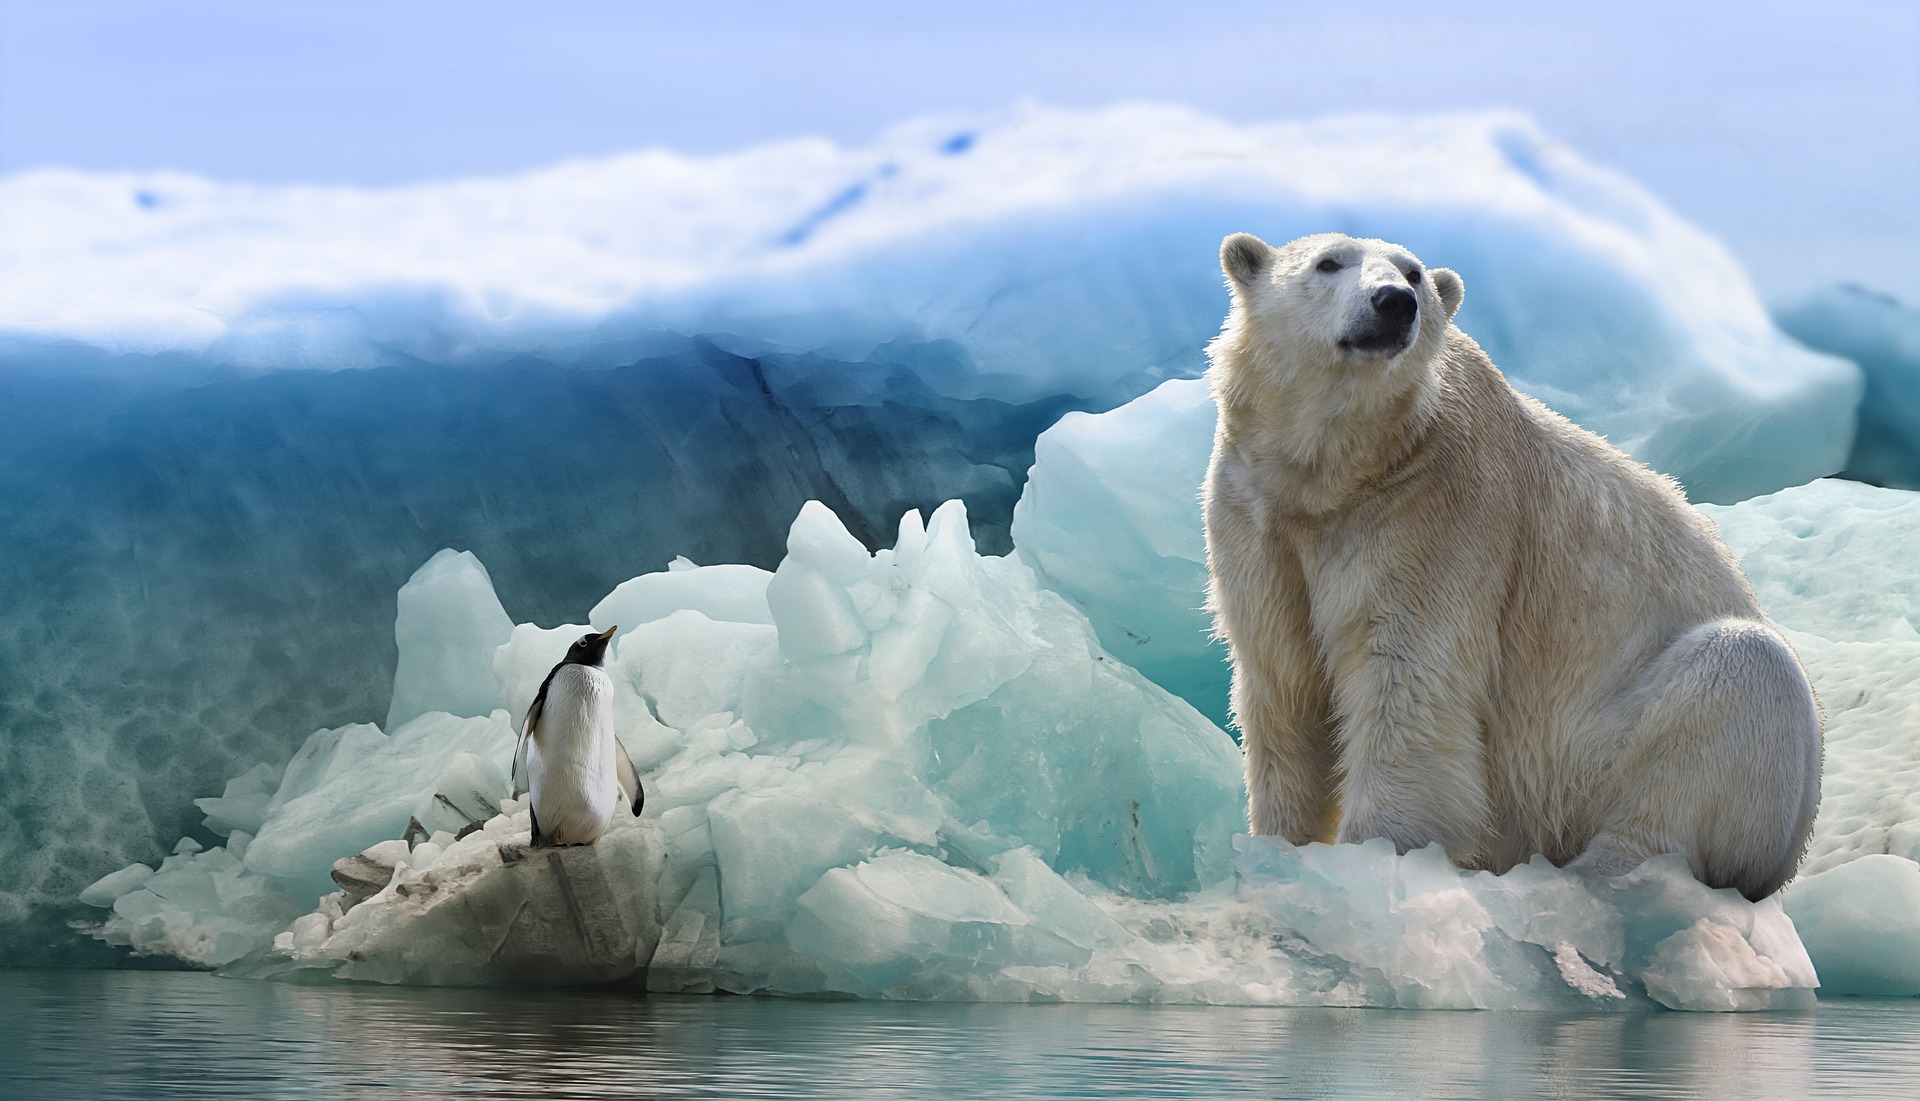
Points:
(591, 649)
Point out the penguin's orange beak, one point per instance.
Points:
(608, 633)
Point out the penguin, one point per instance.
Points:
(575, 765)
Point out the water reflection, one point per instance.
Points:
(98, 1034)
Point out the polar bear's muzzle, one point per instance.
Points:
(1387, 325)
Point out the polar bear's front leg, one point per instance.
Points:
(1280, 700)
(1282, 714)
(1407, 695)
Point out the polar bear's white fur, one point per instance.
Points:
(1456, 617)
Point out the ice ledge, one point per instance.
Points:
(1352, 925)
(1416, 932)
(486, 909)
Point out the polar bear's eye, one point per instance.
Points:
(1328, 265)
(1413, 277)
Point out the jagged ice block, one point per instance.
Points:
(903, 774)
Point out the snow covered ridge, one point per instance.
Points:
(916, 774)
(1050, 252)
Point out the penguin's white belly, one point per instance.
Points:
(571, 775)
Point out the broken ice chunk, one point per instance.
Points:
(1710, 966)
(391, 780)
(448, 625)
(1861, 922)
(906, 916)
(727, 594)
(243, 804)
(103, 891)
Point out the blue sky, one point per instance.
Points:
(1792, 130)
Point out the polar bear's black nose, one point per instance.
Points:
(1395, 305)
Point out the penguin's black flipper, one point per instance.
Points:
(629, 779)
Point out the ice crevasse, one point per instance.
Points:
(913, 773)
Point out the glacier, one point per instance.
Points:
(910, 773)
(237, 418)
(1044, 252)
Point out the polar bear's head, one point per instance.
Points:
(1345, 300)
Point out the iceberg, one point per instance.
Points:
(1828, 561)
(861, 703)
(1882, 336)
(1110, 519)
(200, 572)
(448, 627)
(1044, 251)
(910, 773)
(239, 416)
(1861, 919)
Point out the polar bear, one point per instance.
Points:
(1454, 616)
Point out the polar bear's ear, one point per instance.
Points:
(1452, 290)
(1245, 258)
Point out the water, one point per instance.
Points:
(121, 1034)
(104, 1034)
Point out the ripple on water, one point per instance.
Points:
(121, 1034)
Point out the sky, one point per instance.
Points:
(1790, 130)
